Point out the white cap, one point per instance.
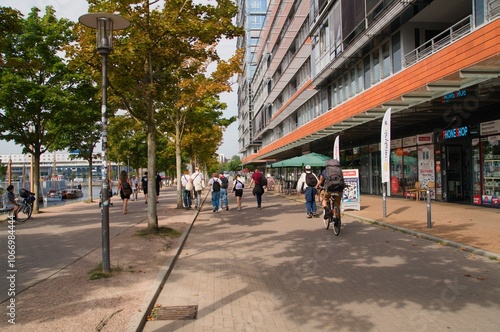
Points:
(308, 168)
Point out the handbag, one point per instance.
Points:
(189, 185)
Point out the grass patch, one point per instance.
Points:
(160, 231)
(493, 258)
(97, 273)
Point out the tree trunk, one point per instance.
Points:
(178, 165)
(36, 183)
(152, 213)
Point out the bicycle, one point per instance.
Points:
(337, 222)
(26, 208)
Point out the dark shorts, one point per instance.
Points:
(123, 196)
(238, 192)
(145, 190)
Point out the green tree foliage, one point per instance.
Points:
(166, 44)
(81, 138)
(36, 99)
(234, 164)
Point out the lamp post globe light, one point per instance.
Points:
(104, 24)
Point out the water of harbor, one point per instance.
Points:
(96, 190)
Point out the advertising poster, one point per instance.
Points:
(350, 197)
(426, 166)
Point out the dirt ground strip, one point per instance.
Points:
(70, 301)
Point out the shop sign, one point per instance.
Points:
(455, 132)
(410, 141)
(454, 95)
(396, 143)
(490, 127)
(424, 139)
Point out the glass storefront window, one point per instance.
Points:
(404, 170)
(490, 148)
(476, 174)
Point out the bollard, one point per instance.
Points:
(429, 222)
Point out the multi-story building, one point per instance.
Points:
(333, 68)
(60, 164)
(251, 16)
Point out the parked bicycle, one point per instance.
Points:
(26, 207)
(335, 217)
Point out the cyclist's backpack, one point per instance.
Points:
(311, 180)
(216, 186)
(334, 180)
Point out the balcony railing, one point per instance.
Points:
(445, 38)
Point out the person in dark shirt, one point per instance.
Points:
(144, 183)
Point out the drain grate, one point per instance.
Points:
(177, 312)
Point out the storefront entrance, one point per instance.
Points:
(458, 173)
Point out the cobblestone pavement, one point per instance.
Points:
(275, 270)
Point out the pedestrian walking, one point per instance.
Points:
(223, 191)
(215, 185)
(135, 187)
(144, 184)
(199, 184)
(238, 190)
(158, 186)
(187, 187)
(125, 190)
(259, 181)
(307, 186)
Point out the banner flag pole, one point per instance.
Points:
(385, 150)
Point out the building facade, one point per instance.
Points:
(333, 68)
(60, 164)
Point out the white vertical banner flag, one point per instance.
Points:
(385, 144)
(336, 151)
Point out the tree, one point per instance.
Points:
(163, 46)
(234, 164)
(35, 82)
(82, 137)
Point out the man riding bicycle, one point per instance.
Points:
(332, 181)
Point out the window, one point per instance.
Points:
(335, 100)
(386, 60)
(376, 66)
(352, 90)
(256, 21)
(396, 53)
(359, 70)
(346, 86)
(259, 5)
(367, 74)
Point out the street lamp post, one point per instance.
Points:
(104, 24)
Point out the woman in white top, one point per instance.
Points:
(238, 190)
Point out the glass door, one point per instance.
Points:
(454, 172)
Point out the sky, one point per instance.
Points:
(73, 9)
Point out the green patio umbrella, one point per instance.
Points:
(313, 159)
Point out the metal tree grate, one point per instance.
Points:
(177, 312)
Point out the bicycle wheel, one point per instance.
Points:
(336, 221)
(24, 212)
(326, 222)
